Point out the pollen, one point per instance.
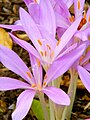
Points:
(29, 74)
(39, 41)
(58, 42)
(38, 62)
(48, 46)
(79, 5)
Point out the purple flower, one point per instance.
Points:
(47, 47)
(32, 85)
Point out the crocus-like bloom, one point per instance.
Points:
(48, 48)
(66, 19)
(33, 83)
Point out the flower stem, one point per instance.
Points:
(71, 92)
(44, 106)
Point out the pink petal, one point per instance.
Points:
(25, 45)
(68, 34)
(62, 64)
(14, 63)
(7, 83)
(85, 77)
(23, 105)
(87, 66)
(57, 95)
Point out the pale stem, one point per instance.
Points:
(44, 106)
(71, 92)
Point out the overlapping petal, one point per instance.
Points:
(68, 34)
(62, 64)
(23, 105)
(57, 95)
(7, 83)
(85, 77)
(87, 66)
(14, 63)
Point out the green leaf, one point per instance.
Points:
(37, 109)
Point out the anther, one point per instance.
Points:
(41, 53)
(40, 43)
(33, 85)
(29, 74)
(38, 62)
(79, 5)
(58, 42)
(89, 18)
(45, 76)
(44, 84)
(48, 47)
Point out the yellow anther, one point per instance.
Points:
(89, 18)
(39, 41)
(83, 22)
(58, 42)
(48, 46)
(38, 62)
(84, 15)
(52, 54)
(29, 74)
(79, 4)
(41, 53)
(44, 84)
(33, 85)
(71, 19)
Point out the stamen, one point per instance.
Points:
(29, 74)
(71, 19)
(84, 15)
(83, 22)
(45, 53)
(79, 5)
(38, 62)
(58, 42)
(41, 53)
(48, 47)
(52, 54)
(44, 84)
(89, 18)
(33, 85)
(40, 43)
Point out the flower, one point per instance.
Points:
(32, 85)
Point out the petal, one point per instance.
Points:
(57, 95)
(12, 27)
(62, 64)
(68, 34)
(85, 77)
(34, 10)
(23, 105)
(30, 28)
(7, 83)
(78, 7)
(87, 66)
(37, 69)
(25, 45)
(47, 16)
(68, 3)
(14, 63)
